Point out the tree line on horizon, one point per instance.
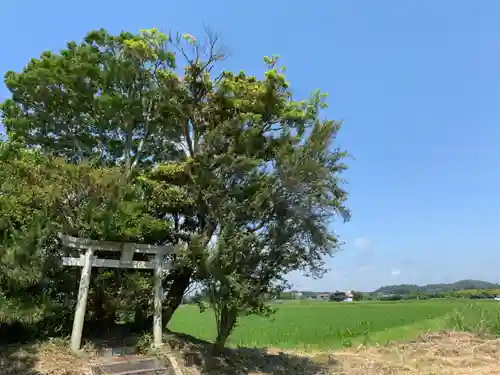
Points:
(475, 289)
(437, 288)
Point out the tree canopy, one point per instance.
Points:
(228, 164)
(109, 99)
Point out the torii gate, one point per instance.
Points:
(87, 260)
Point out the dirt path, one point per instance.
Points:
(444, 354)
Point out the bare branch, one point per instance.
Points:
(209, 51)
(201, 60)
(191, 288)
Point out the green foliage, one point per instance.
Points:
(338, 296)
(144, 343)
(41, 196)
(109, 99)
(460, 289)
(482, 319)
(270, 179)
(437, 288)
(26, 232)
(104, 103)
(162, 159)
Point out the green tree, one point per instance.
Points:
(268, 174)
(338, 296)
(108, 99)
(249, 179)
(116, 100)
(41, 196)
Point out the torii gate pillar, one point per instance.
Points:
(127, 250)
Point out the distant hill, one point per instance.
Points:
(437, 288)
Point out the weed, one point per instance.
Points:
(144, 343)
(482, 319)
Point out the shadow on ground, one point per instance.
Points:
(48, 358)
(52, 357)
(22, 353)
(14, 361)
(97, 344)
(198, 359)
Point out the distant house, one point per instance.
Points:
(323, 296)
(349, 297)
(339, 296)
(497, 298)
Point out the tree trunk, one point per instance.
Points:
(181, 279)
(140, 317)
(110, 319)
(100, 312)
(227, 324)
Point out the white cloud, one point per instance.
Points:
(395, 272)
(362, 243)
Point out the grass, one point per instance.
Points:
(312, 326)
(312, 338)
(481, 318)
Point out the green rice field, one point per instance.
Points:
(316, 325)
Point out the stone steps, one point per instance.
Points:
(132, 365)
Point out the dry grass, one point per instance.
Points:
(445, 354)
(50, 358)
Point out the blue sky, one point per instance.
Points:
(416, 82)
